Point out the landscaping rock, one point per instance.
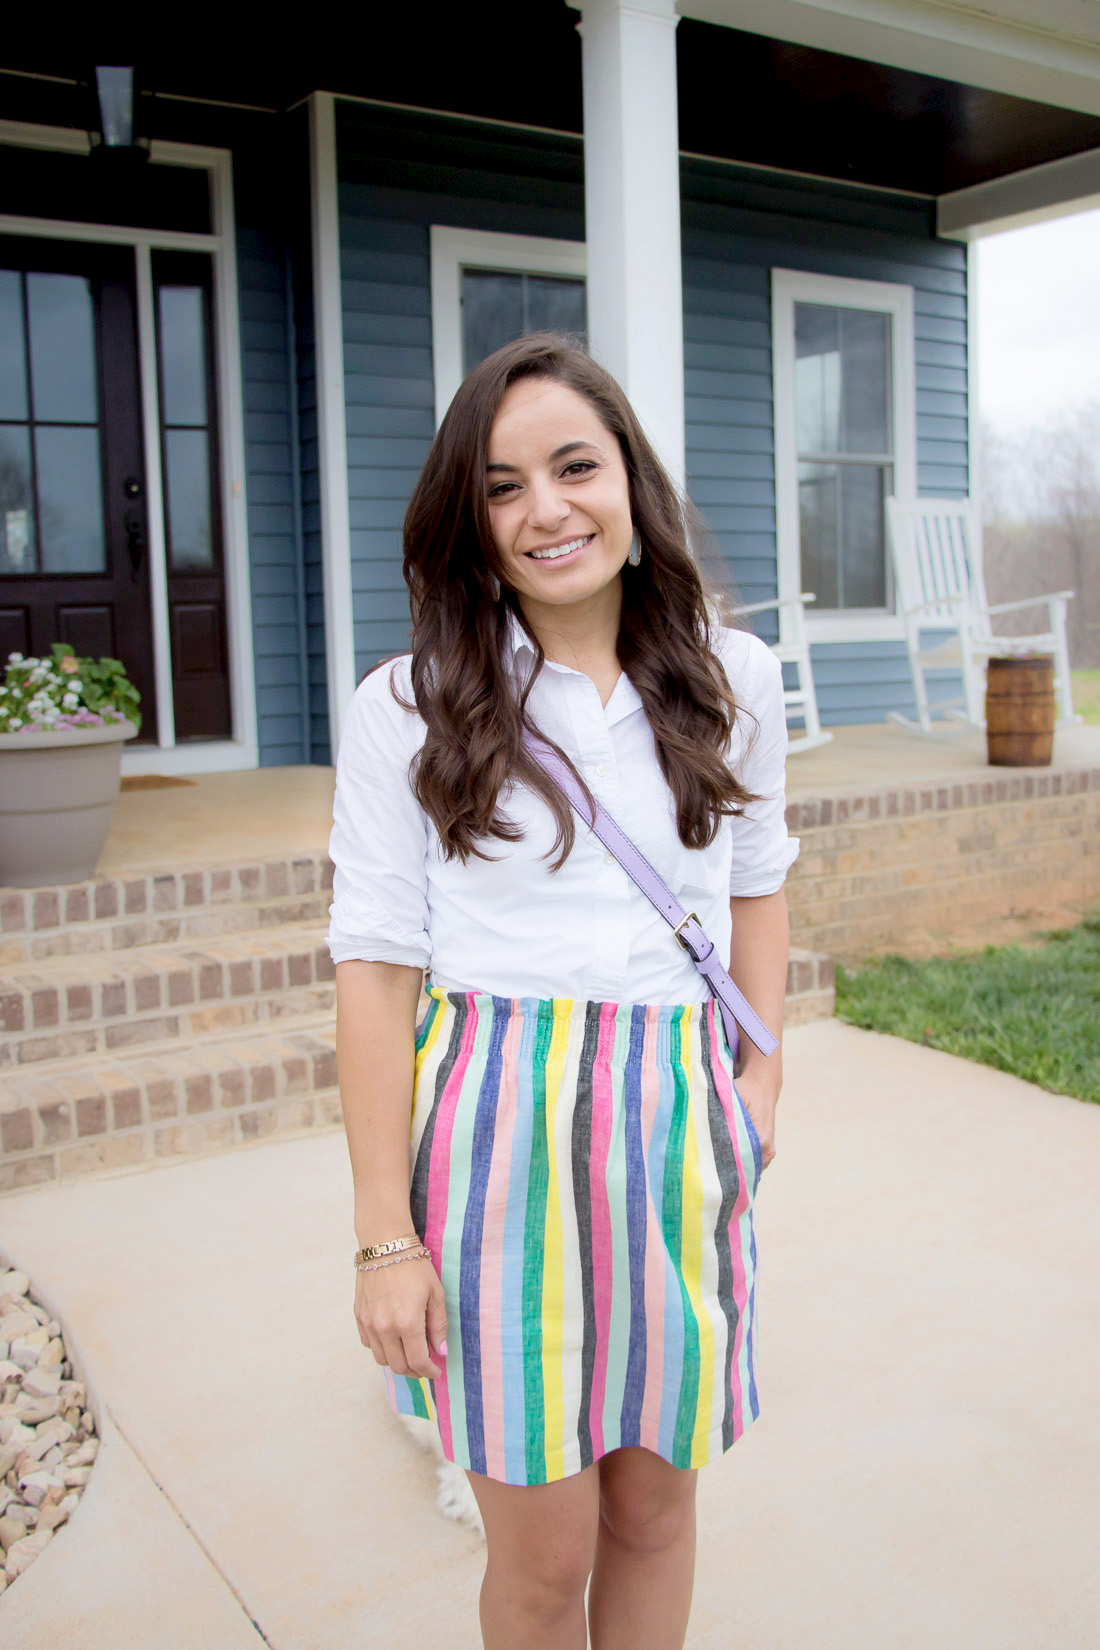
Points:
(25, 1552)
(41, 1383)
(16, 1323)
(52, 1356)
(46, 1445)
(11, 1530)
(52, 1514)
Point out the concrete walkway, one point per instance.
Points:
(924, 1476)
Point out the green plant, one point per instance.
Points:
(1031, 1011)
(65, 691)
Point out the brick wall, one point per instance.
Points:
(880, 867)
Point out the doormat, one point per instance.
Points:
(152, 781)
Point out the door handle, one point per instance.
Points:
(135, 542)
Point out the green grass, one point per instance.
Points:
(1035, 1013)
(1086, 694)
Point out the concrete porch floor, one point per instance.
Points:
(227, 818)
(923, 1474)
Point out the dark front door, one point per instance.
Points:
(73, 561)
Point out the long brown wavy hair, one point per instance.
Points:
(474, 709)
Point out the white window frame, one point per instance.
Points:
(795, 286)
(454, 250)
(241, 750)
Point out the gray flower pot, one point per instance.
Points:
(57, 795)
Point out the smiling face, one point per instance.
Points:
(558, 496)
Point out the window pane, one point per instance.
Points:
(492, 313)
(188, 484)
(70, 495)
(13, 369)
(817, 378)
(183, 354)
(555, 305)
(842, 380)
(63, 355)
(842, 533)
(17, 547)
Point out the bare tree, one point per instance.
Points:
(1041, 506)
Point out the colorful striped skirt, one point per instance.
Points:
(583, 1174)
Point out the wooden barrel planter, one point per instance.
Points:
(1019, 712)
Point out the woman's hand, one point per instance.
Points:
(759, 1091)
(401, 1316)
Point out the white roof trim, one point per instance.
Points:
(1041, 192)
(1024, 59)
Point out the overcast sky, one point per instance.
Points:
(1039, 321)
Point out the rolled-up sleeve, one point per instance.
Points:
(378, 846)
(763, 851)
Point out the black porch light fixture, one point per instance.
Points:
(115, 89)
(115, 93)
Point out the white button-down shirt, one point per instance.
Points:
(510, 926)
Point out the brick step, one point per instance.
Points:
(811, 987)
(158, 906)
(78, 1006)
(109, 1113)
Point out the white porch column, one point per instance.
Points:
(632, 209)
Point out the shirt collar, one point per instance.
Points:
(519, 650)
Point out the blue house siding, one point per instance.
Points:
(398, 176)
(273, 536)
(737, 226)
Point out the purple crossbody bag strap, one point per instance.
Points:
(685, 924)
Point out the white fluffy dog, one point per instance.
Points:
(455, 1498)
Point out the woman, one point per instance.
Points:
(582, 1168)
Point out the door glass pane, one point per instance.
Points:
(188, 486)
(70, 496)
(13, 373)
(183, 354)
(63, 353)
(842, 380)
(841, 527)
(492, 313)
(17, 546)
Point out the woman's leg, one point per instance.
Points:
(640, 1596)
(541, 1540)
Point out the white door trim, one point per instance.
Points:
(332, 434)
(454, 250)
(791, 286)
(242, 750)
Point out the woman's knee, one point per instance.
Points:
(646, 1504)
(541, 1540)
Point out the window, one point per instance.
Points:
(844, 436)
(489, 288)
(51, 463)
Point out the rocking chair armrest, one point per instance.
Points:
(774, 606)
(1033, 601)
(937, 601)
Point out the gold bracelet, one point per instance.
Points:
(374, 1251)
(394, 1260)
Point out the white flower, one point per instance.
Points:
(17, 722)
(15, 658)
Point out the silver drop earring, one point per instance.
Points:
(634, 554)
(494, 587)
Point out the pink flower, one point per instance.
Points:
(70, 665)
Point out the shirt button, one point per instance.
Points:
(609, 859)
(601, 771)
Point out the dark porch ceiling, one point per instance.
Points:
(742, 97)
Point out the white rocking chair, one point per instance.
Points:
(801, 701)
(940, 587)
